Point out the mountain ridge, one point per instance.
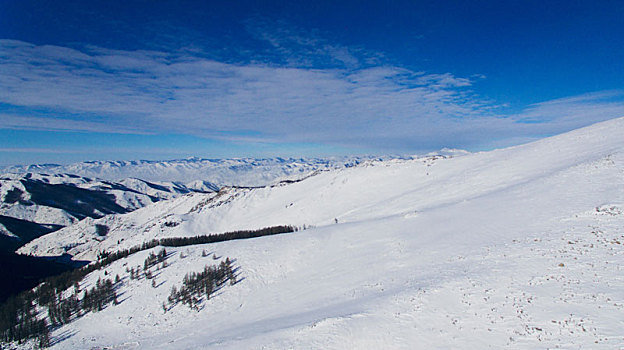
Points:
(249, 172)
(32, 205)
(512, 248)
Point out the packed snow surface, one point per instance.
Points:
(517, 248)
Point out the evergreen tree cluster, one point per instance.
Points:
(96, 298)
(171, 224)
(154, 259)
(60, 312)
(19, 321)
(151, 261)
(18, 317)
(197, 285)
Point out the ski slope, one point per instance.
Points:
(517, 248)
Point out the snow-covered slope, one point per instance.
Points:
(223, 172)
(372, 190)
(34, 204)
(515, 248)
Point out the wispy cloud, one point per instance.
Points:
(147, 91)
(38, 150)
(319, 92)
(305, 49)
(575, 111)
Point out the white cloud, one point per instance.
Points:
(574, 111)
(156, 92)
(352, 104)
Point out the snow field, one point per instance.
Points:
(518, 248)
(511, 294)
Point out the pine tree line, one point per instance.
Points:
(105, 258)
(55, 284)
(221, 237)
(18, 319)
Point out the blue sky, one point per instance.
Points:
(85, 80)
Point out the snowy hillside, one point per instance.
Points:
(516, 248)
(223, 172)
(32, 205)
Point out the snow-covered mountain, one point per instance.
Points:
(514, 248)
(222, 172)
(32, 204)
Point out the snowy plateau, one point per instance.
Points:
(516, 248)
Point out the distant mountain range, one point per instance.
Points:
(221, 172)
(32, 205)
(42, 198)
